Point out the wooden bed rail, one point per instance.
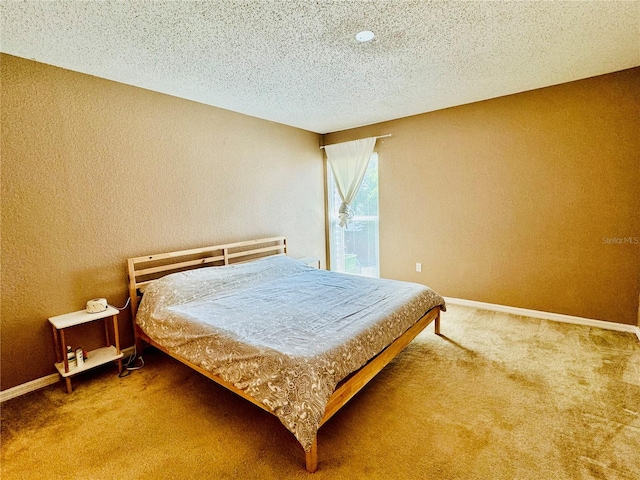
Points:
(144, 270)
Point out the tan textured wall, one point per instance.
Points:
(94, 172)
(507, 201)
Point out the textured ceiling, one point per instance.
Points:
(297, 62)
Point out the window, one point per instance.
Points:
(354, 249)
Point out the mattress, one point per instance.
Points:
(283, 332)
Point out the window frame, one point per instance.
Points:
(332, 222)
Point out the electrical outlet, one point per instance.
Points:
(418, 267)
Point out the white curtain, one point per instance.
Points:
(348, 162)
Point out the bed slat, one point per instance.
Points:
(177, 266)
(254, 252)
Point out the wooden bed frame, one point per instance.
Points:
(156, 266)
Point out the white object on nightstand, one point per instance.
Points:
(310, 261)
(97, 357)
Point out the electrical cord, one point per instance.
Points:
(130, 365)
(125, 305)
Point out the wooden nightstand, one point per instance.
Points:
(311, 261)
(96, 357)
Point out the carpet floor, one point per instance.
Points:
(497, 396)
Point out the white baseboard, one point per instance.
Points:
(31, 386)
(556, 317)
(42, 382)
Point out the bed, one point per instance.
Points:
(296, 341)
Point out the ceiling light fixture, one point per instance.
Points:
(365, 36)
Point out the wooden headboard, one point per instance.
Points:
(144, 270)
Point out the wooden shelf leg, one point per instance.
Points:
(116, 339)
(68, 382)
(56, 343)
(311, 457)
(106, 334)
(63, 349)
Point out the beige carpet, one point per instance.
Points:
(496, 397)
